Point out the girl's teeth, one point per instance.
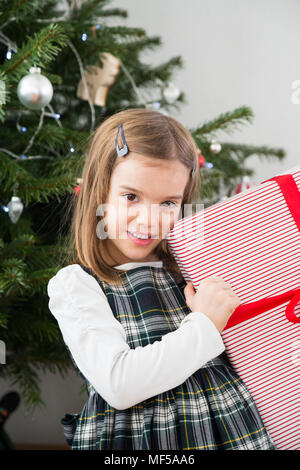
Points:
(138, 236)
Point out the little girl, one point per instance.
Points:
(148, 347)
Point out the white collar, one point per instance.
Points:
(136, 264)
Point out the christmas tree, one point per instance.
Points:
(63, 70)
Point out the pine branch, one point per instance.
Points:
(4, 318)
(226, 122)
(114, 12)
(19, 10)
(245, 151)
(90, 10)
(41, 49)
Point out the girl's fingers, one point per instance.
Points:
(189, 289)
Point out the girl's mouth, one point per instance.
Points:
(140, 241)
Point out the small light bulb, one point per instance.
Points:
(57, 115)
(24, 129)
(72, 149)
(4, 208)
(8, 55)
(24, 157)
(84, 36)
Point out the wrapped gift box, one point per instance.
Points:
(252, 240)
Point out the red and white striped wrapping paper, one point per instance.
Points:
(252, 240)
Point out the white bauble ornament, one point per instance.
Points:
(215, 147)
(35, 90)
(15, 208)
(171, 93)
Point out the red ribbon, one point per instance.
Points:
(290, 193)
(250, 310)
(244, 312)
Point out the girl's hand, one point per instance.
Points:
(214, 298)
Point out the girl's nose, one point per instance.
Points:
(147, 220)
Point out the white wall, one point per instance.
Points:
(236, 52)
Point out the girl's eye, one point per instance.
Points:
(173, 204)
(131, 194)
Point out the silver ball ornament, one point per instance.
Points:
(215, 147)
(35, 90)
(15, 209)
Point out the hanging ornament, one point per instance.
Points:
(77, 188)
(35, 90)
(215, 147)
(99, 79)
(15, 208)
(201, 159)
(171, 93)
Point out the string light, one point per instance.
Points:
(137, 92)
(4, 208)
(84, 37)
(9, 55)
(84, 84)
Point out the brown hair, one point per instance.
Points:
(147, 132)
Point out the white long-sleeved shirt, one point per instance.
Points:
(97, 341)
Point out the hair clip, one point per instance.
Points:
(124, 150)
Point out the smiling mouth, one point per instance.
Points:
(139, 241)
(142, 236)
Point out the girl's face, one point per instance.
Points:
(145, 197)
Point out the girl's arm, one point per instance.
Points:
(97, 341)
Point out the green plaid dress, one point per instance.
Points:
(211, 410)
